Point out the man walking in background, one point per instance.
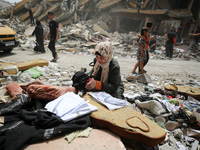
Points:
(31, 16)
(54, 31)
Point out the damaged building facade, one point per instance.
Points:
(116, 15)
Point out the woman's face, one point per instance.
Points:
(146, 33)
(100, 59)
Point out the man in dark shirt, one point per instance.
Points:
(169, 44)
(31, 16)
(54, 31)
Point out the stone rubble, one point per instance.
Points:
(81, 38)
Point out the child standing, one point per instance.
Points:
(141, 50)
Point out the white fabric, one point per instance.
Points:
(181, 146)
(110, 102)
(70, 106)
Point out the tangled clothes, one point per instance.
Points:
(27, 122)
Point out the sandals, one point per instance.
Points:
(55, 59)
(171, 125)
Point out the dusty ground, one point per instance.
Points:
(176, 67)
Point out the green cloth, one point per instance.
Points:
(80, 133)
(34, 72)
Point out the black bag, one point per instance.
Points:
(79, 81)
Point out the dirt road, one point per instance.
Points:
(175, 67)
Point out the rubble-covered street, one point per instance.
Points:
(168, 94)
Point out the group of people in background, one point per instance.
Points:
(40, 36)
(106, 71)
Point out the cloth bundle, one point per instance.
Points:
(79, 81)
(14, 89)
(47, 92)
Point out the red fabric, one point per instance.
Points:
(36, 82)
(147, 42)
(174, 40)
(14, 89)
(47, 92)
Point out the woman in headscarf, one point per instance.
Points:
(106, 72)
(38, 32)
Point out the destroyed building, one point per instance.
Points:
(89, 21)
(116, 15)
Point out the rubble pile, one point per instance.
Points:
(81, 29)
(179, 112)
(172, 117)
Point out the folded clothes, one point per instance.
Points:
(110, 102)
(70, 106)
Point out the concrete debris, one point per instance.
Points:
(144, 78)
(82, 28)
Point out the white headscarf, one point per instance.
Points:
(106, 50)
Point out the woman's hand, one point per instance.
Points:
(91, 84)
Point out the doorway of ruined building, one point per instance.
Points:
(130, 24)
(124, 23)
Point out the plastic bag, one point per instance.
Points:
(34, 72)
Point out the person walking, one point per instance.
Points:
(170, 43)
(53, 33)
(141, 50)
(179, 32)
(31, 16)
(69, 4)
(149, 25)
(38, 32)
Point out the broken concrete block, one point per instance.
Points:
(60, 47)
(86, 35)
(143, 78)
(67, 83)
(63, 39)
(72, 43)
(72, 50)
(18, 7)
(75, 31)
(29, 30)
(52, 8)
(99, 29)
(83, 2)
(115, 43)
(117, 34)
(11, 69)
(38, 12)
(158, 52)
(103, 25)
(81, 26)
(110, 3)
(131, 78)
